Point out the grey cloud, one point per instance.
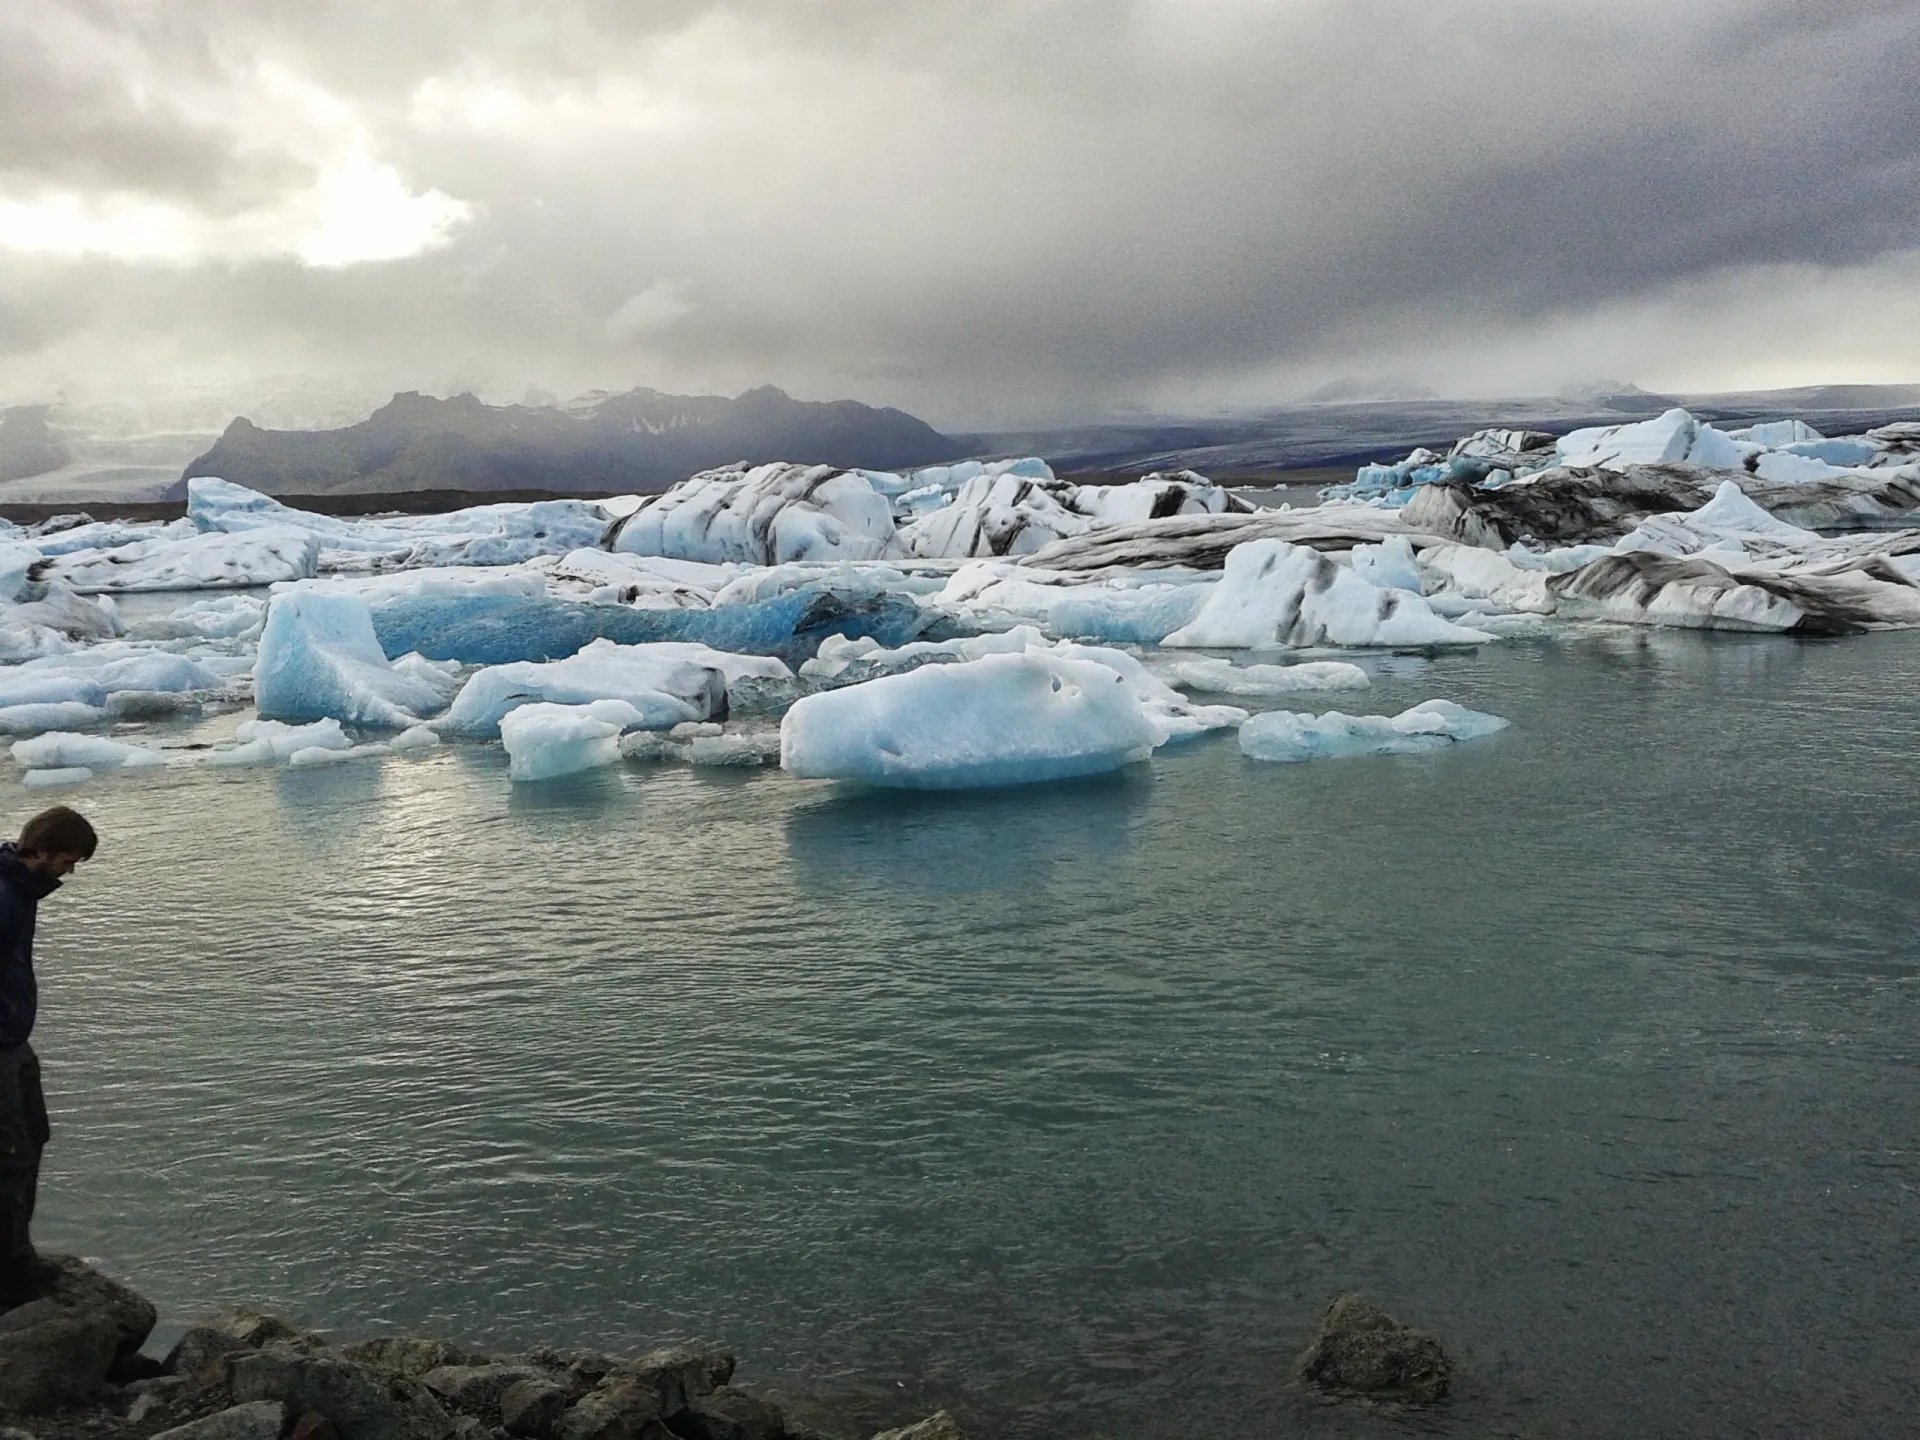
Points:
(1007, 207)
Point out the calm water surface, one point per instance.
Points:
(1591, 1047)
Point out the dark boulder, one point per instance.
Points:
(729, 1414)
(1360, 1349)
(532, 1408)
(256, 1420)
(618, 1408)
(362, 1403)
(65, 1347)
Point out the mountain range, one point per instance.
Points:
(603, 443)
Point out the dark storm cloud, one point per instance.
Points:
(996, 208)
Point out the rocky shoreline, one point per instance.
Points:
(72, 1368)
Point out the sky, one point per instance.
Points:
(993, 213)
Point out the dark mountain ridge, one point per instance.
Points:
(603, 443)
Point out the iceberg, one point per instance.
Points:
(89, 677)
(1136, 610)
(1389, 565)
(266, 742)
(502, 534)
(33, 718)
(1777, 434)
(1666, 438)
(1223, 677)
(197, 562)
(764, 515)
(62, 749)
(1494, 576)
(545, 741)
(50, 779)
(1009, 512)
(319, 657)
(1286, 735)
(1000, 720)
(1274, 594)
(1729, 521)
(662, 683)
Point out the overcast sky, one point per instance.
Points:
(987, 212)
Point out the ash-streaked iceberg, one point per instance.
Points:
(196, 562)
(763, 515)
(1287, 735)
(662, 683)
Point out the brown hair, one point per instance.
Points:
(58, 831)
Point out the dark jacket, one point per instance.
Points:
(21, 891)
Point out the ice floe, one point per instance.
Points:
(319, 657)
(1275, 594)
(1000, 720)
(1287, 735)
(544, 740)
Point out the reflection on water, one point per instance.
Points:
(961, 842)
(1590, 1047)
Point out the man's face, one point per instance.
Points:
(56, 866)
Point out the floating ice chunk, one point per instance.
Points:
(1489, 575)
(319, 657)
(1776, 434)
(1273, 593)
(1135, 609)
(1389, 565)
(1000, 720)
(88, 677)
(1723, 529)
(501, 534)
(764, 515)
(1287, 735)
(1716, 450)
(744, 751)
(267, 742)
(664, 682)
(1003, 514)
(652, 745)
(62, 748)
(197, 562)
(15, 560)
(32, 719)
(1223, 677)
(1556, 561)
(545, 740)
(1178, 716)
(50, 779)
(225, 617)
(420, 737)
(1658, 441)
(327, 755)
(1783, 467)
(1844, 451)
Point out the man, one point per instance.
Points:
(50, 845)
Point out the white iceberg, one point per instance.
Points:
(1390, 565)
(1000, 720)
(1286, 735)
(544, 740)
(51, 779)
(33, 718)
(663, 682)
(267, 742)
(196, 562)
(62, 749)
(765, 515)
(1273, 594)
(500, 534)
(1223, 677)
(319, 657)
(1661, 440)
(88, 677)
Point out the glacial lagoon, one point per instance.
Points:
(1590, 1046)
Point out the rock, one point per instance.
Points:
(61, 1348)
(477, 1389)
(938, 1426)
(314, 1426)
(729, 1414)
(1362, 1349)
(680, 1375)
(254, 1328)
(202, 1354)
(531, 1408)
(155, 1394)
(364, 1404)
(410, 1355)
(617, 1409)
(256, 1420)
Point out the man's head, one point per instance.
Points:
(56, 840)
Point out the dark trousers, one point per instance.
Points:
(23, 1131)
